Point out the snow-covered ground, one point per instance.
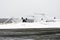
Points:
(31, 25)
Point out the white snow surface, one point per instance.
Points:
(30, 25)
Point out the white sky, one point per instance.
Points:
(16, 8)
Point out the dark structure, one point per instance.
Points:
(24, 20)
(27, 20)
(30, 34)
(54, 17)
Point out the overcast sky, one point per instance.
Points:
(15, 8)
